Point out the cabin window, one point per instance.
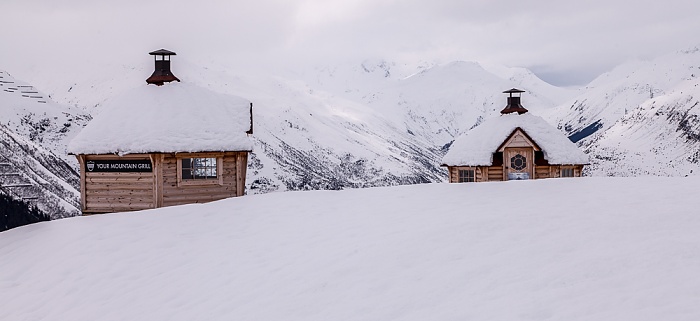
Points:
(567, 172)
(199, 170)
(466, 175)
(518, 162)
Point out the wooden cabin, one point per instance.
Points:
(513, 146)
(163, 143)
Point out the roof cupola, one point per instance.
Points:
(514, 105)
(162, 73)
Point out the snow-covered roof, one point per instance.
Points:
(476, 147)
(175, 117)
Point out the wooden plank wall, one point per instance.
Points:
(478, 176)
(481, 173)
(495, 173)
(452, 174)
(187, 194)
(555, 170)
(542, 172)
(114, 192)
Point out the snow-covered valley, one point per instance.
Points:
(556, 249)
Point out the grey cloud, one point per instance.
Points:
(564, 41)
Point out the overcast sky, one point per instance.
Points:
(564, 42)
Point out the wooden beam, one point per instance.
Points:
(81, 160)
(244, 168)
(240, 178)
(157, 161)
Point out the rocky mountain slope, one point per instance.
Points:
(640, 118)
(34, 132)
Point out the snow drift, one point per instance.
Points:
(557, 249)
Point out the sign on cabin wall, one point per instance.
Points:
(120, 166)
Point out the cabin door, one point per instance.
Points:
(518, 163)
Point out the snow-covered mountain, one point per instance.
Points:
(28, 111)
(31, 173)
(371, 123)
(377, 122)
(34, 131)
(640, 118)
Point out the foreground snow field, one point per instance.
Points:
(557, 249)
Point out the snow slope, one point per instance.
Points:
(29, 112)
(570, 249)
(659, 137)
(34, 132)
(641, 117)
(34, 174)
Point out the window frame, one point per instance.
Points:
(219, 180)
(465, 178)
(567, 169)
(518, 168)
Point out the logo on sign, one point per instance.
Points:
(90, 165)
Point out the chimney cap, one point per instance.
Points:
(164, 52)
(162, 73)
(514, 105)
(513, 91)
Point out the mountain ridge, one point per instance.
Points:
(378, 123)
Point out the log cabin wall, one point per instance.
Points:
(230, 181)
(104, 192)
(555, 171)
(542, 172)
(481, 173)
(496, 173)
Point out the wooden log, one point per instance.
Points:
(110, 198)
(125, 180)
(157, 160)
(180, 191)
(120, 186)
(119, 204)
(119, 192)
(116, 208)
(184, 199)
(81, 160)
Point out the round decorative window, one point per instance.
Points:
(518, 162)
